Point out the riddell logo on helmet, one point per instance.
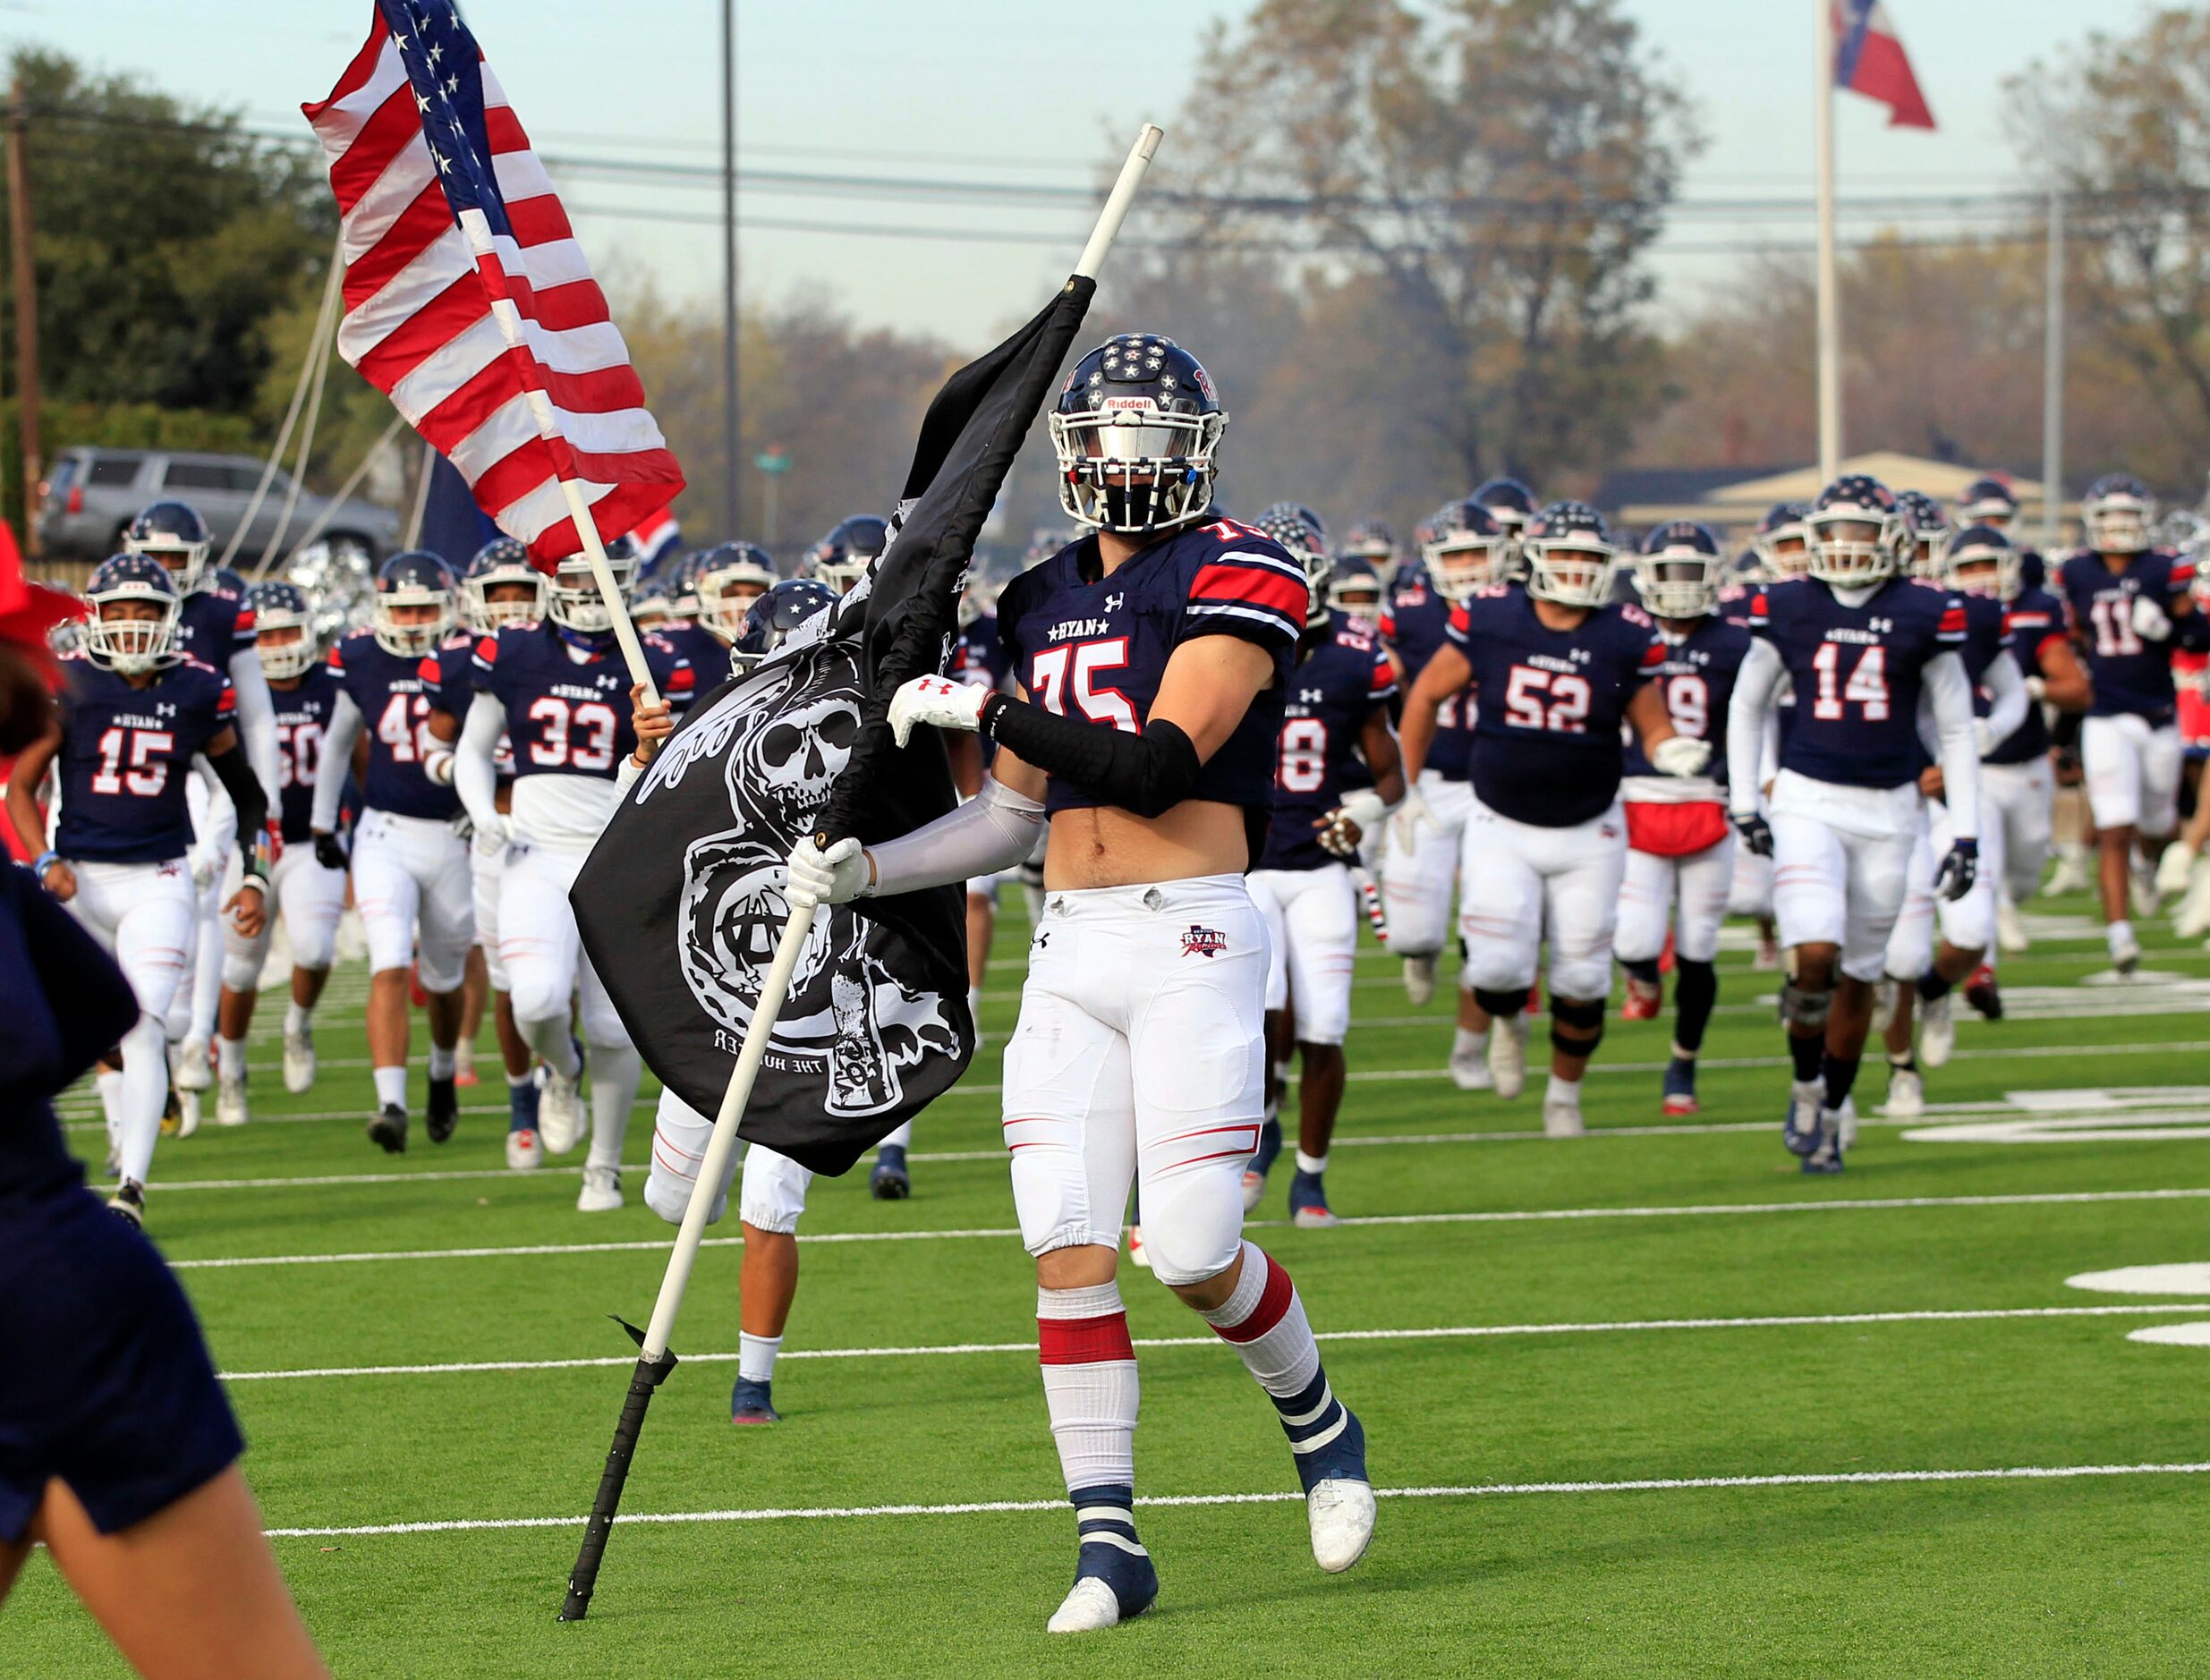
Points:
(1203, 941)
(1127, 402)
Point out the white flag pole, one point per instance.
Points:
(1829, 301)
(653, 1362)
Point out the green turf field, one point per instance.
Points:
(1655, 1403)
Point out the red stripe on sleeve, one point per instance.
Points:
(1655, 654)
(428, 670)
(681, 679)
(486, 649)
(1083, 1341)
(1258, 586)
(1952, 622)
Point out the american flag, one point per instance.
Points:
(468, 301)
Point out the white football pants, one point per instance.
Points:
(411, 872)
(1521, 880)
(1415, 882)
(1701, 883)
(1312, 930)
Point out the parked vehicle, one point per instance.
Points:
(93, 492)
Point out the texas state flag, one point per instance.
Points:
(1868, 59)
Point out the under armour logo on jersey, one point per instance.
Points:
(1881, 626)
(1203, 941)
(1311, 696)
(1112, 602)
(164, 709)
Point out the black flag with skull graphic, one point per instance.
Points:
(681, 903)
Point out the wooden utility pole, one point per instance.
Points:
(26, 316)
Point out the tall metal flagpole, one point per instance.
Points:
(653, 1359)
(730, 444)
(1829, 303)
(2052, 375)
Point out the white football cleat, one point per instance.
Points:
(601, 1192)
(525, 1153)
(187, 1112)
(2174, 868)
(561, 1118)
(2125, 954)
(1847, 1115)
(1419, 979)
(230, 1108)
(2070, 876)
(1937, 1029)
(2142, 890)
(1088, 1608)
(1562, 1119)
(299, 1060)
(2191, 920)
(1469, 1069)
(1907, 1099)
(2011, 928)
(1507, 1055)
(190, 1065)
(1136, 1257)
(1342, 1515)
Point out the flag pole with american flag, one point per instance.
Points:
(468, 302)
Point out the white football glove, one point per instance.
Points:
(2151, 622)
(492, 831)
(205, 867)
(1411, 815)
(2037, 689)
(1348, 826)
(1680, 755)
(836, 875)
(938, 701)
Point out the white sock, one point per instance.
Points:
(900, 1139)
(755, 1356)
(1469, 1043)
(230, 1058)
(297, 1019)
(463, 1053)
(975, 1001)
(515, 1082)
(440, 1061)
(145, 1089)
(2119, 932)
(616, 1071)
(1089, 1384)
(1314, 1164)
(110, 1086)
(391, 1086)
(1564, 1090)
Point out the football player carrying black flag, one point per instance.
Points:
(691, 868)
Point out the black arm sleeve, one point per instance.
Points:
(246, 794)
(1148, 773)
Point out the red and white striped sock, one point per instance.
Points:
(1089, 1383)
(1264, 1321)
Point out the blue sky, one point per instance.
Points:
(1027, 93)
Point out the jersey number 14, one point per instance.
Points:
(1866, 684)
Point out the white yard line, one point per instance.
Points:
(1483, 1490)
(1452, 1333)
(1513, 1215)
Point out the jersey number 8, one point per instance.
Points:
(1303, 755)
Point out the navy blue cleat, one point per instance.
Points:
(1680, 1086)
(750, 1403)
(890, 1182)
(1114, 1578)
(1308, 1202)
(1261, 1162)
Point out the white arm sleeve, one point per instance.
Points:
(2007, 697)
(474, 775)
(1948, 694)
(336, 763)
(992, 831)
(219, 831)
(1755, 687)
(257, 724)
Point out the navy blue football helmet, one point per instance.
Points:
(135, 644)
(1857, 533)
(174, 534)
(1570, 555)
(1679, 569)
(503, 563)
(415, 578)
(1987, 500)
(1135, 429)
(1979, 560)
(1929, 525)
(727, 579)
(2117, 514)
(283, 629)
(1464, 548)
(841, 559)
(1356, 588)
(777, 613)
(1287, 525)
(1780, 542)
(1512, 503)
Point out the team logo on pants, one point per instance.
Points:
(1203, 941)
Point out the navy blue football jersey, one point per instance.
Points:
(1094, 646)
(1735, 600)
(2130, 675)
(1546, 734)
(302, 720)
(215, 625)
(1415, 621)
(1856, 672)
(125, 752)
(706, 654)
(568, 715)
(1331, 693)
(2034, 620)
(1696, 677)
(979, 654)
(1986, 635)
(395, 699)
